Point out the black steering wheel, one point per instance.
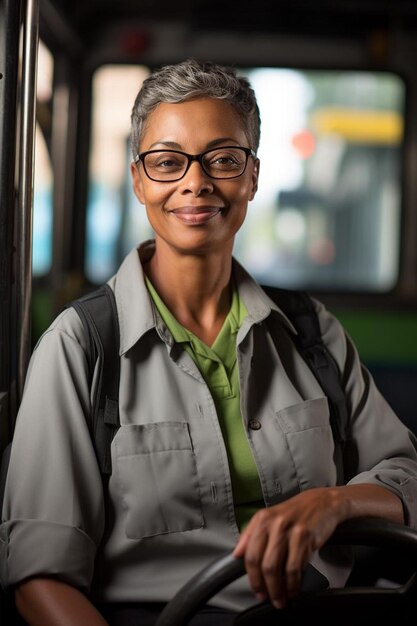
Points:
(391, 605)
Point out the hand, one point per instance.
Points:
(279, 541)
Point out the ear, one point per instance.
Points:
(255, 176)
(137, 183)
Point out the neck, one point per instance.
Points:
(195, 288)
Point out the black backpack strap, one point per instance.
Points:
(5, 460)
(299, 308)
(98, 314)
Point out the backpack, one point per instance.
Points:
(98, 314)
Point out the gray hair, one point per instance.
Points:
(194, 79)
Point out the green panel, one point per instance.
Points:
(382, 337)
(42, 312)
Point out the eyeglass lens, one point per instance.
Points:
(166, 165)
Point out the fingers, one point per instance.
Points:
(285, 556)
(300, 549)
(255, 548)
(275, 556)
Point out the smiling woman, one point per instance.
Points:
(220, 416)
(196, 198)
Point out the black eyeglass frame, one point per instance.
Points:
(195, 157)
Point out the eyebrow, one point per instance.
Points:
(176, 146)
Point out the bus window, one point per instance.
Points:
(111, 223)
(327, 212)
(43, 178)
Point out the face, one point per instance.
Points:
(196, 214)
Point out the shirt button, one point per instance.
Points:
(254, 424)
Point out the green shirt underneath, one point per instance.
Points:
(219, 369)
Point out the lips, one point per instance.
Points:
(195, 215)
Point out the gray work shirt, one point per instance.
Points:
(167, 510)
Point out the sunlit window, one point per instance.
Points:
(43, 180)
(327, 212)
(115, 221)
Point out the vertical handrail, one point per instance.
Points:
(10, 18)
(25, 190)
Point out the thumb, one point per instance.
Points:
(240, 548)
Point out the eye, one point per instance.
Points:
(168, 161)
(225, 160)
(165, 161)
(229, 159)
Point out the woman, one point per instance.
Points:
(225, 442)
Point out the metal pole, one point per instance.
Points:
(9, 61)
(25, 190)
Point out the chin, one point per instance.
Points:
(199, 244)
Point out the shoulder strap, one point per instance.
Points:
(5, 459)
(298, 307)
(98, 314)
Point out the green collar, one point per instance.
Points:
(221, 346)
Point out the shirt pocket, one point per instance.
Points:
(306, 427)
(156, 475)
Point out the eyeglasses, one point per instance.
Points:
(167, 166)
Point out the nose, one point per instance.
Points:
(196, 180)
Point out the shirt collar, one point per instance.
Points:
(178, 332)
(134, 307)
(137, 313)
(257, 302)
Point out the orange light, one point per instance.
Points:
(304, 144)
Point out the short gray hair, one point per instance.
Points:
(194, 79)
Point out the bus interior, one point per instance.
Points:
(336, 211)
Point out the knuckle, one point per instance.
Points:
(263, 515)
(252, 561)
(302, 532)
(292, 574)
(269, 568)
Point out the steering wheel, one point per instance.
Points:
(348, 605)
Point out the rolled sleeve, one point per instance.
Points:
(409, 498)
(379, 448)
(398, 480)
(382, 450)
(53, 512)
(29, 548)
